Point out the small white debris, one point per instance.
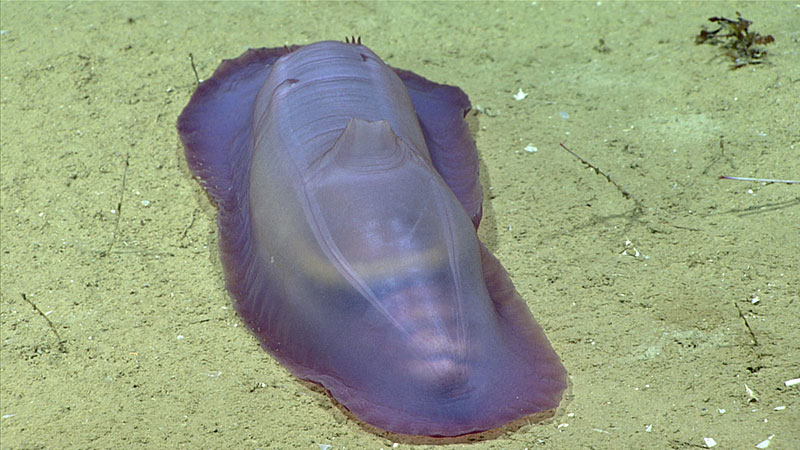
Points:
(395, 445)
(755, 300)
(180, 337)
(780, 408)
(324, 446)
(648, 428)
(710, 442)
(563, 115)
(750, 394)
(562, 425)
(485, 110)
(531, 149)
(721, 410)
(792, 382)
(8, 416)
(145, 203)
(630, 250)
(765, 442)
(520, 95)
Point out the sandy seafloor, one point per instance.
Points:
(644, 308)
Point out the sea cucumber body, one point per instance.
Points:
(348, 200)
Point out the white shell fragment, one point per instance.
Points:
(765, 442)
(710, 442)
(520, 95)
